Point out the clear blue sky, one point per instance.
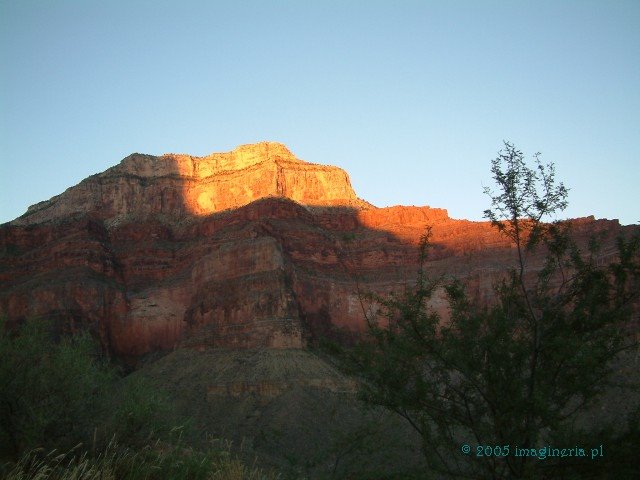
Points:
(412, 98)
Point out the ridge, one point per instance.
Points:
(181, 185)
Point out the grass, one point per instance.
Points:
(158, 461)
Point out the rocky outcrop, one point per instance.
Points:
(176, 186)
(248, 249)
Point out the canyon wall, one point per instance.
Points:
(248, 249)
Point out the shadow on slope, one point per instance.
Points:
(289, 408)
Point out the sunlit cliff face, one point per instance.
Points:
(224, 181)
(175, 188)
(139, 251)
(175, 185)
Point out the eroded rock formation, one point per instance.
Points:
(182, 185)
(252, 248)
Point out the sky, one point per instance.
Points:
(412, 98)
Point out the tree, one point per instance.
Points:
(58, 393)
(491, 387)
(47, 388)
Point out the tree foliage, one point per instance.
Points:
(58, 393)
(47, 388)
(524, 372)
(67, 414)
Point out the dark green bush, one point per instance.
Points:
(48, 389)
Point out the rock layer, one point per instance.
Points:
(180, 185)
(249, 249)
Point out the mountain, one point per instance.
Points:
(212, 276)
(247, 249)
(181, 185)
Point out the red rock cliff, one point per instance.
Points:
(252, 248)
(179, 185)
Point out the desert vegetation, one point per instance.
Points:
(506, 390)
(68, 413)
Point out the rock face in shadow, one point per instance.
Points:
(290, 409)
(248, 249)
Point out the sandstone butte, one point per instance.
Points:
(248, 249)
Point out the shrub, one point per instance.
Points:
(523, 372)
(47, 389)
